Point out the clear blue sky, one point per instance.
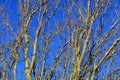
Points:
(12, 8)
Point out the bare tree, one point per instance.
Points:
(60, 40)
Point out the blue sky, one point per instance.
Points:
(12, 8)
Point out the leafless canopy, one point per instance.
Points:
(59, 39)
